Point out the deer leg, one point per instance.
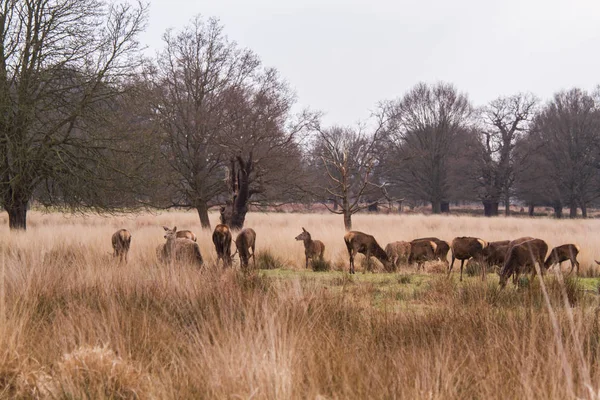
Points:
(306, 257)
(451, 265)
(462, 262)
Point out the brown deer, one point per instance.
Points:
(464, 248)
(442, 249)
(312, 248)
(358, 242)
(422, 251)
(185, 234)
(179, 249)
(495, 253)
(397, 251)
(245, 241)
(564, 253)
(121, 241)
(222, 240)
(521, 256)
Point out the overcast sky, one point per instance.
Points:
(343, 56)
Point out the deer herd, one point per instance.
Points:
(513, 257)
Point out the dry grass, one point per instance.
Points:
(73, 324)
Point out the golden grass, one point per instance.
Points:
(73, 324)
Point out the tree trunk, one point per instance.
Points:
(445, 207)
(507, 204)
(531, 210)
(558, 210)
(347, 221)
(436, 206)
(17, 215)
(234, 214)
(584, 210)
(373, 207)
(203, 214)
(573, 211)
(490, 208)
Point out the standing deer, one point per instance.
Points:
(495, 253)
(245, 241)
(185, 234)
(312, 248)
(441, 250)
(179, 249)
(522, 255)
(358, 242)
(397, 251)
(422, 251)
(563, 253)
(121, 240)
(464, 248)
(222, 240)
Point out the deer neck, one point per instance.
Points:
(307, 243)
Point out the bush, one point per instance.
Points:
(266, 260)
(320, 265)
(404, 279)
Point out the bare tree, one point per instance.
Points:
(196, 73)
(427, 127)
(348, 158)
(568, 130)
(262, 144)
(61, 63)
(504, 121)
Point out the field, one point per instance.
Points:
(73, 324)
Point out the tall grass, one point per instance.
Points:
(74, 324)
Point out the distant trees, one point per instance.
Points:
(504, 121)
(565, 136)
(62, 63)
(347, 157)
(225, 123)
(427, 131)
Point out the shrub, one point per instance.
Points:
(320, 265)
(266, 260)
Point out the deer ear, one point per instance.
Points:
(165, 228)
(303, 229)
(175, 229)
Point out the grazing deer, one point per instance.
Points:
(358, 242)
(442, 248)
(397, 251)
(179, 249)
(464, 248)
(312, 248)
(222, 240)
(245, 241)
(563, 253)
(522, 255)
(495, 253)
(422, 251)
(185, 234)
(121, 240)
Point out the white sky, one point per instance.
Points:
(342, 57)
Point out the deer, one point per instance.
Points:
(464, 248)
(359, 242)
(563, 253)
(442, 248)
(179, 249)
(312, 248)
(121, 241)
(522, 255)
(245, 241)
(186, 234)
(422, 251)
(397, 251)
(221, 238)
(495, 253)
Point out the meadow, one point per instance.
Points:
(74, 324)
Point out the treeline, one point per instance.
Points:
(88, 123)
